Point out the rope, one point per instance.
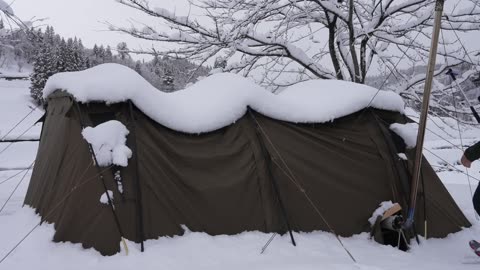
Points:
(294, 180)
(443, 138)
(388, 77)
(18, 137)
(13, 176)
(16, 187)
(51, 212)
(268, 159)
(456, 116)
(451, 165)
(446, 162)
(18, 123)
(461, 44)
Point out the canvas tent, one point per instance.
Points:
(253, 169)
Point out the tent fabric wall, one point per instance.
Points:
(339, 167)
(64, 188)
(222, 182)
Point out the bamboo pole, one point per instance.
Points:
(423, 116)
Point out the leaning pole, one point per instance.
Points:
(423, 116)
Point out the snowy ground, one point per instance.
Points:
(318, 250)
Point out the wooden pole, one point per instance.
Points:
(423, 116)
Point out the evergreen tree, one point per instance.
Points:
(43, 68)
(138, 67)
(101, 54)
(62, 58)
(108, 55)
(50, 54)
(168, 82)
(78, 55)
(49, 36)
(95, 51)
(123, 50)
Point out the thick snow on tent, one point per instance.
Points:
(221, 99)
(223, 156)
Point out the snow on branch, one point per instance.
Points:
(6, 8)
(317, 38)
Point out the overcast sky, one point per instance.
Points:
(84, 18)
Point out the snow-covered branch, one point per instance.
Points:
(317, 38)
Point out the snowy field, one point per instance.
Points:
(318, 250)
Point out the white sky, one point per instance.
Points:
(84, 18)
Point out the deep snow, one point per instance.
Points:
(318, 250)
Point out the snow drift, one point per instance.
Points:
(221, 99)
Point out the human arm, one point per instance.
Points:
(471, 154)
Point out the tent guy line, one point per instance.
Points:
(16, 187)
(454, 81)
(392, 71)
(19, 122)
(13, 176)
(17, 139)
(446, 140)
(294, 180)
(61, 201)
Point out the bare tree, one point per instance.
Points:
(310, 39)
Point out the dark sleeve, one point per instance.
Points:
(473, 152)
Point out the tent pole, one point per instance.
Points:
(139, 205)
(423, 117)
(268, 157)
(110, 203)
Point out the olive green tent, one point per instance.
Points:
(258, 174)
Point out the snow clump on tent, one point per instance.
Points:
(104, 197)
(221, 99)
(108, 141)
(408, 132)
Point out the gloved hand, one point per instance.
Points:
(465, 162)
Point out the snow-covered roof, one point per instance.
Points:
(221, 99)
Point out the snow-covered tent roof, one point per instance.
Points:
(161, 181)
(221, 99)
